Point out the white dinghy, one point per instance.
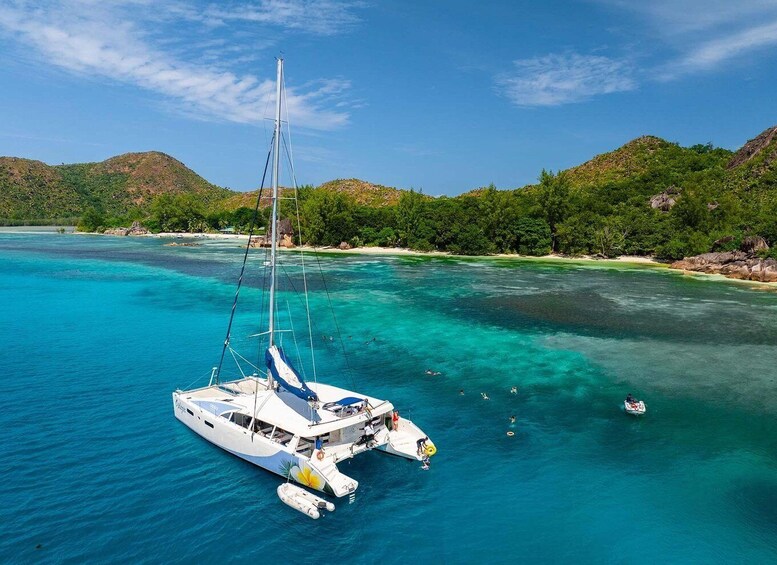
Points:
(634, 407)
(303, 501)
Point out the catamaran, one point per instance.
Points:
(276, 420)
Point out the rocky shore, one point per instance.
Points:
(134, 229)
(733, 264)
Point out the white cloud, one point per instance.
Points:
(325, 17)
(710, 54)
(674, 18)
(102, 40)
(704, 34)
(558, 79)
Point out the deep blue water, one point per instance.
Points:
(96, 332)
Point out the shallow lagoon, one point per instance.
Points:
(98, 331)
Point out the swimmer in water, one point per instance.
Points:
(514, 390)
(484, 395)
(512, 419)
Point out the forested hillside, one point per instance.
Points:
(648, 197)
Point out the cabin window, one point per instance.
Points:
(242, 420)
(281, 436)
(262, 428)
(306, 445)
(190, 412)
(208, 424)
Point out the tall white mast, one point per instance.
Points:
(274, 220)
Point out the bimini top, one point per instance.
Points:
(347, 401)
(286, 375)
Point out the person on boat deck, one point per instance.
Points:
(364, 405)
(319, 443)
(630, 399)
(369, 434)
(395, 420)
(421, 443)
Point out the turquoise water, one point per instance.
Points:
(96, 332)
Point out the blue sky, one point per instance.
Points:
(440, 96)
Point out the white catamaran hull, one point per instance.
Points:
(260, 451)
(403, 441)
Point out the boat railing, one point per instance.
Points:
(367, 413)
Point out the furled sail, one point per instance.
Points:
(286, 375)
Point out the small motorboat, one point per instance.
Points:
(635, 407)
(303, 501)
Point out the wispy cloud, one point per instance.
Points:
(703, 35)
(104, 40)
(678, 17)
(325, 17)
(684, 37)
(556, 79)
(710, 54)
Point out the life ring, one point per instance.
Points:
(430, 450)
(320, 455)
(511, 434)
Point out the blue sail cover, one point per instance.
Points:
(286, 375)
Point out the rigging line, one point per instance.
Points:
(253, 420)
(267, 102)
(234, 352)
(296, 345)
(297, 294)
(316, 327)
(334, 318)
(301, 252)
(289, 155)
(260, 341)
(265, 264)
(197, 379)
(239, 368)
(243, 267)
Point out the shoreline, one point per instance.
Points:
(401, 251)
(623, 260)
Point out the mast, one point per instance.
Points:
(274, 220)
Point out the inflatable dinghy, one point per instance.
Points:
(636, 408)
(303, 501)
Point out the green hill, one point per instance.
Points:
(648, 197)
(126, 185)
(34, 190)
(648, 159)
(754, 166)
(364, 193)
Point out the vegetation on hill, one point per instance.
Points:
(364, 193)
(32, 190)
(649, 197)
(120, 187)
